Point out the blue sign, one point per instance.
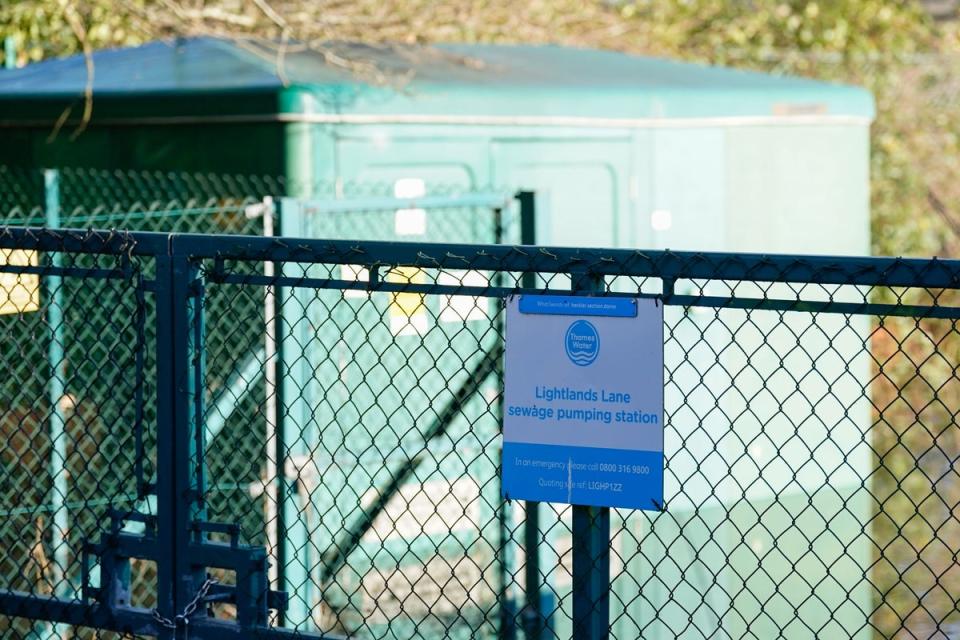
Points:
(583, 401)
(579, 306)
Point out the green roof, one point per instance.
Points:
(211, 77)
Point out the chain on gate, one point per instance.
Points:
(188, 610)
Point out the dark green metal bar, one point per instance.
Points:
(186, 508)
(507, 625)
(532, 616)
(69, 272)
(198, 362)
(83, 241)
(814, 306)
(591, 572)
(135, 621)
(704, 302)
(335, 557)
(887, 272)
(143, 487)
(166, 489)
(73, 612)
(865, 271)
(591, 545)
(528, 217)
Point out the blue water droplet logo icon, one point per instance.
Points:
(582, 343)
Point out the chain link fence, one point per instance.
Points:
(64, 331)
(76, 362)
(788, 513)
(810, 427)
(74, 347)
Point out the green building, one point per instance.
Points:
(739, 161)
(621, 151)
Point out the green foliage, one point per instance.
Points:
(844, 26)
(890, 47)
(43, 28)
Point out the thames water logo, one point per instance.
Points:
(582, 343)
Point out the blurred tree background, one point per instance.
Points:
(893, 48)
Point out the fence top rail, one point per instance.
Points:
(668, 265)
(473, 200)
(95, 241)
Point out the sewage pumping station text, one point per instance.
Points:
(604, 409)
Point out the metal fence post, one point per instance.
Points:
(166, 433)
(293, 536)
(273, 443)
(532, 617)
(508, 627)
(294, 500)
(60, 524)
(591, 543)
(186, 353)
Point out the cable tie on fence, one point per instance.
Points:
(544, 251)
(864, 269)
(422, 255)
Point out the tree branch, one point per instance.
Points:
(76, 24)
